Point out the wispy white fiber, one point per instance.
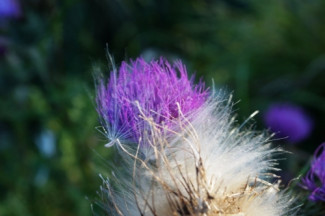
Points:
(208, 166)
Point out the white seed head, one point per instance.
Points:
(207, 166)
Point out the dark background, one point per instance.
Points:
(264, 52)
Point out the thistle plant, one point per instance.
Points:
(315, 178)
(200, 163)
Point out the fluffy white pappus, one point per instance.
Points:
(209, 166)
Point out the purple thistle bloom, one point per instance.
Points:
(156, 87)
(9, 8)
(288, 121)
(317, 187)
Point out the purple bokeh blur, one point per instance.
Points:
(3, 46)
(9, 8)
(288, 121)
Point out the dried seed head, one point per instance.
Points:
(210, 167)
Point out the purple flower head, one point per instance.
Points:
(9, 8)
(288, 121)
(315, 178)
(155, 87)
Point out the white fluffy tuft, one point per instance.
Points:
(208, 166)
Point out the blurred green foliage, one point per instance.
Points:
(266, 51)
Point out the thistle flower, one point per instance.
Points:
(288, 121)
(200, 162)
(315, 178)
(157, 87)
